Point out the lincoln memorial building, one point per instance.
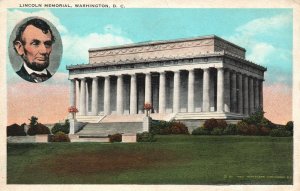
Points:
(183, 79)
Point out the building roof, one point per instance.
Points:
(146, 43)
(154, 51)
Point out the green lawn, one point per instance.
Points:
(170, 160)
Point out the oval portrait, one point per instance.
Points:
(35, 49)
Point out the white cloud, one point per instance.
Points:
(265, 25)
(76, 47)
(247, 36)
(260, 52)
(16, 16)
(260, 38)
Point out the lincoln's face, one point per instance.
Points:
(35, 47)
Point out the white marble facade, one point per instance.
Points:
(205, 74)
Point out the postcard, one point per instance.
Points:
(149, 95)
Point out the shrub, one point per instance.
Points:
(200, 131)
(165, 128)
(222, 124)
(217, 131)
(61, 127)
(56, 128)
(60, 137)
(231, 129)
(115, 138)
(267, 123)
(255, 118)
(178, 128)
(15, 130)
(252, 130)
(280, 132)
(160, 127)
(290, 126)
(245, 129)
(259, 120)
(209, 124)
(264, 131)
(242, 128)
(38, 129)
(145, 137)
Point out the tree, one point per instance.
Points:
(33, 121)
(290, 126)
(256, 117)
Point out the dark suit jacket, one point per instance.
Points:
(24, 74)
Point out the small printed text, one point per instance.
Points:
(67, 5)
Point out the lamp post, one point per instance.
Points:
(147, 118)
(73, 128)
(147, 107)
(73, 110)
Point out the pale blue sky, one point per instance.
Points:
(265, 33)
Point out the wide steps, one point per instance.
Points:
(90, 118)
(163, 117)
(123, 118)
(136, 117)
(207, 115)
(111, 128)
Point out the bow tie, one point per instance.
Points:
(39, 77)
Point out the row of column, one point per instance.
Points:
(236, 93)
(246, 93)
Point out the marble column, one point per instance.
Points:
(82, 96)
(246, 96)
(251, 94)
(233, 100)
(176, 93)
(133, 95)
(72, 93)
(261, 100)
(162, 92)
(107, 95)
(95, 96)
(220, 90)
(227, 90)
(120, 107)
(148, 88)
(191, 97)
(240, 93)
(256, 86)
(206, 90)
(77, 94)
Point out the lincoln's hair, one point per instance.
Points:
(38, 23)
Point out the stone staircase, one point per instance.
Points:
(89, 118)
(207, 115)
(104, 129)
(98, 128)
(163, 117)
(136, 118)
(115, 118)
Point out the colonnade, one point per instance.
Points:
(235, 92)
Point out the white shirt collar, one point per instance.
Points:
(30, 71)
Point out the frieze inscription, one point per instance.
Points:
(150, 48)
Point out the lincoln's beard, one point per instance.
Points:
(35, 66)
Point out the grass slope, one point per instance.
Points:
(171, 160)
